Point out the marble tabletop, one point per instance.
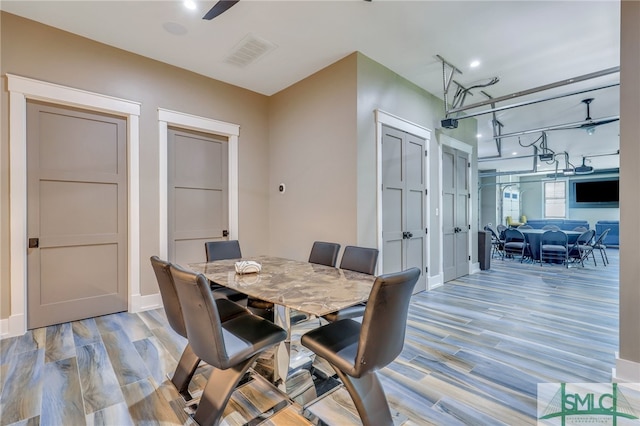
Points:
(306, 287)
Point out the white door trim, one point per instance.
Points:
(231, 131)
(384, 118)
(20, 90)
(460, 146)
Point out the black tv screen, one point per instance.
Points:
(603, 192)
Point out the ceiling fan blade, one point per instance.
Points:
(219, 8)
(595, 123)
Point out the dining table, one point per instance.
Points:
(534, 236)
(289, 284)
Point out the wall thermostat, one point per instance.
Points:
(282, 188)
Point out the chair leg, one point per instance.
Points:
(184, 372)
(369, 398)
(217, 392)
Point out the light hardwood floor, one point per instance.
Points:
(474, 353)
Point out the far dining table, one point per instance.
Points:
(534, 236)
(290, 284)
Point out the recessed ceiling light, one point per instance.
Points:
(514, 153)
(479, 135)
(190, 4)
(474, 63)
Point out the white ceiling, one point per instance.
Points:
(524, 43)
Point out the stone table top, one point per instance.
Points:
(306, 287)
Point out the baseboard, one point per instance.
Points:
(434, 281)
(140, 303)
(625, 371)
(15, 325)
(475, 268)
(4, 328)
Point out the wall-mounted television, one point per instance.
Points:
(590, 193)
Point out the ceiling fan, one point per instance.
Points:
(589, 123)
(219, 8)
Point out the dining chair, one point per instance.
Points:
(497, 245)
(357, 350)
(323, 253)
(525, 227)
(582, 248)
(515, 243)
(551, 228)
(230, 347)
(580, 229)
(601, 247)
(500, 229)
(223, 250)
(357, 259)
(189, 361)
(554, 247)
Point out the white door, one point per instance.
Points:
(403, 202)
(198, 197)
(455, 212)
(77, 214)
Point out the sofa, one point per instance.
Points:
(564, 224)
(613, 237)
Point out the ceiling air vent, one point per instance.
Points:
(249, 50)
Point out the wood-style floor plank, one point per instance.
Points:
(475, 350)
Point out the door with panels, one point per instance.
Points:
(403, 202)
(76, 214)
(198, 197)
(455, 212)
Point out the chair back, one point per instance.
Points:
(554, 237)
(223, 249)
(493, 233)
(324, 253)
(201, 316)
(513, 235)
(601, 238)
(501, 228)
(551, 228)
(359, 259)
(525, 227)
(580, 229)
(385, 320)
(586, 237)
(169, 296)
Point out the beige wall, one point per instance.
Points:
(36, 51)
(312, 133)
(629, 184)
(381, 88)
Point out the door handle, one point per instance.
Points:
(34, 242)
(409, 235)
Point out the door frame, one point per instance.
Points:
(20, 90)
(182, 120)
(468, 149)
(390, 120)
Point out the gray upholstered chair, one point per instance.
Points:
(554, 247)
(601, 247)
(188, 361)
(357, 350)
(551, 228)
(582, 248)
(323, 253)
(358, 259)
(222, 250)
(230, 347)
(497, 245)
(515, 243)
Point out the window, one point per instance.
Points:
(555, 199)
